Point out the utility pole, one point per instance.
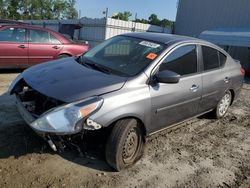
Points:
(106, 22)
(107, 11)
(79, 14)
(135, 21)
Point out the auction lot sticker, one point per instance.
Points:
(149, 44)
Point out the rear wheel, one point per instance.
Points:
(125, 144)
(223, 105)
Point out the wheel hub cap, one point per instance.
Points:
(130, 145)
(224, 104)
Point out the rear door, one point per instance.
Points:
(43, 46)
(172, 103)
(13, 47)
(214, 78)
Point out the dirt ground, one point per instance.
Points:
(199, 153)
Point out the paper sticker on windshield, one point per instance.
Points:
(151, 56)
(149, 44)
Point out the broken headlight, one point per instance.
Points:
(65, 119)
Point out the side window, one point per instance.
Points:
(13, 35)
(210, 58)
(54, 40)
(223, 59)
(37, 36)
(182, 61)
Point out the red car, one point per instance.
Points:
(25, 45)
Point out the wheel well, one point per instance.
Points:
(65, 54)
(140, 123)
(233, 95)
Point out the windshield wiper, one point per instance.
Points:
(98, 67)
(90, 64)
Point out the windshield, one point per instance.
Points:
(121, 55)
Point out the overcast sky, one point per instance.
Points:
(143, 8)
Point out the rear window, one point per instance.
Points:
(54, 40)
(43, 37)
(210, 58)
(37, 36)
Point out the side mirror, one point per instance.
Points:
(168, 77)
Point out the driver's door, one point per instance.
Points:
(172, 103)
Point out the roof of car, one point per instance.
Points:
(171, 39)
(161, 37)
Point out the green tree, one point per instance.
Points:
(153, 19)
(141, 21)
(38, 9)
(24, 7)
(12, 9)
(122, 16)
(59, 9)
(70, 12)
(166, 23)
(3, 9)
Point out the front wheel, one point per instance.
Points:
(223, 105)
(125, 144)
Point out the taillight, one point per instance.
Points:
(242, 71)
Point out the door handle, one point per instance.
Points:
(22, 46)
(194, 88)
(56, 47)
(226, 79)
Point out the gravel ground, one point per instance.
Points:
(199, 153)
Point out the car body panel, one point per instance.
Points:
(214, 88)
(132, 100)
(43, 52)
(68, 81)
(12, 55)
(172, 103)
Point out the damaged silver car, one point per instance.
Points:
(132, 85)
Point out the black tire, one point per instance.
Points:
(63, 56)
(218, 113)
(119, 151)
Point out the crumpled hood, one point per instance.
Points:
(68, 81)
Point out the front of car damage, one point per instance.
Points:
(56, 102)
(59, 98)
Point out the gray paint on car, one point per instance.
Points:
(156, 105)
(68, 81)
